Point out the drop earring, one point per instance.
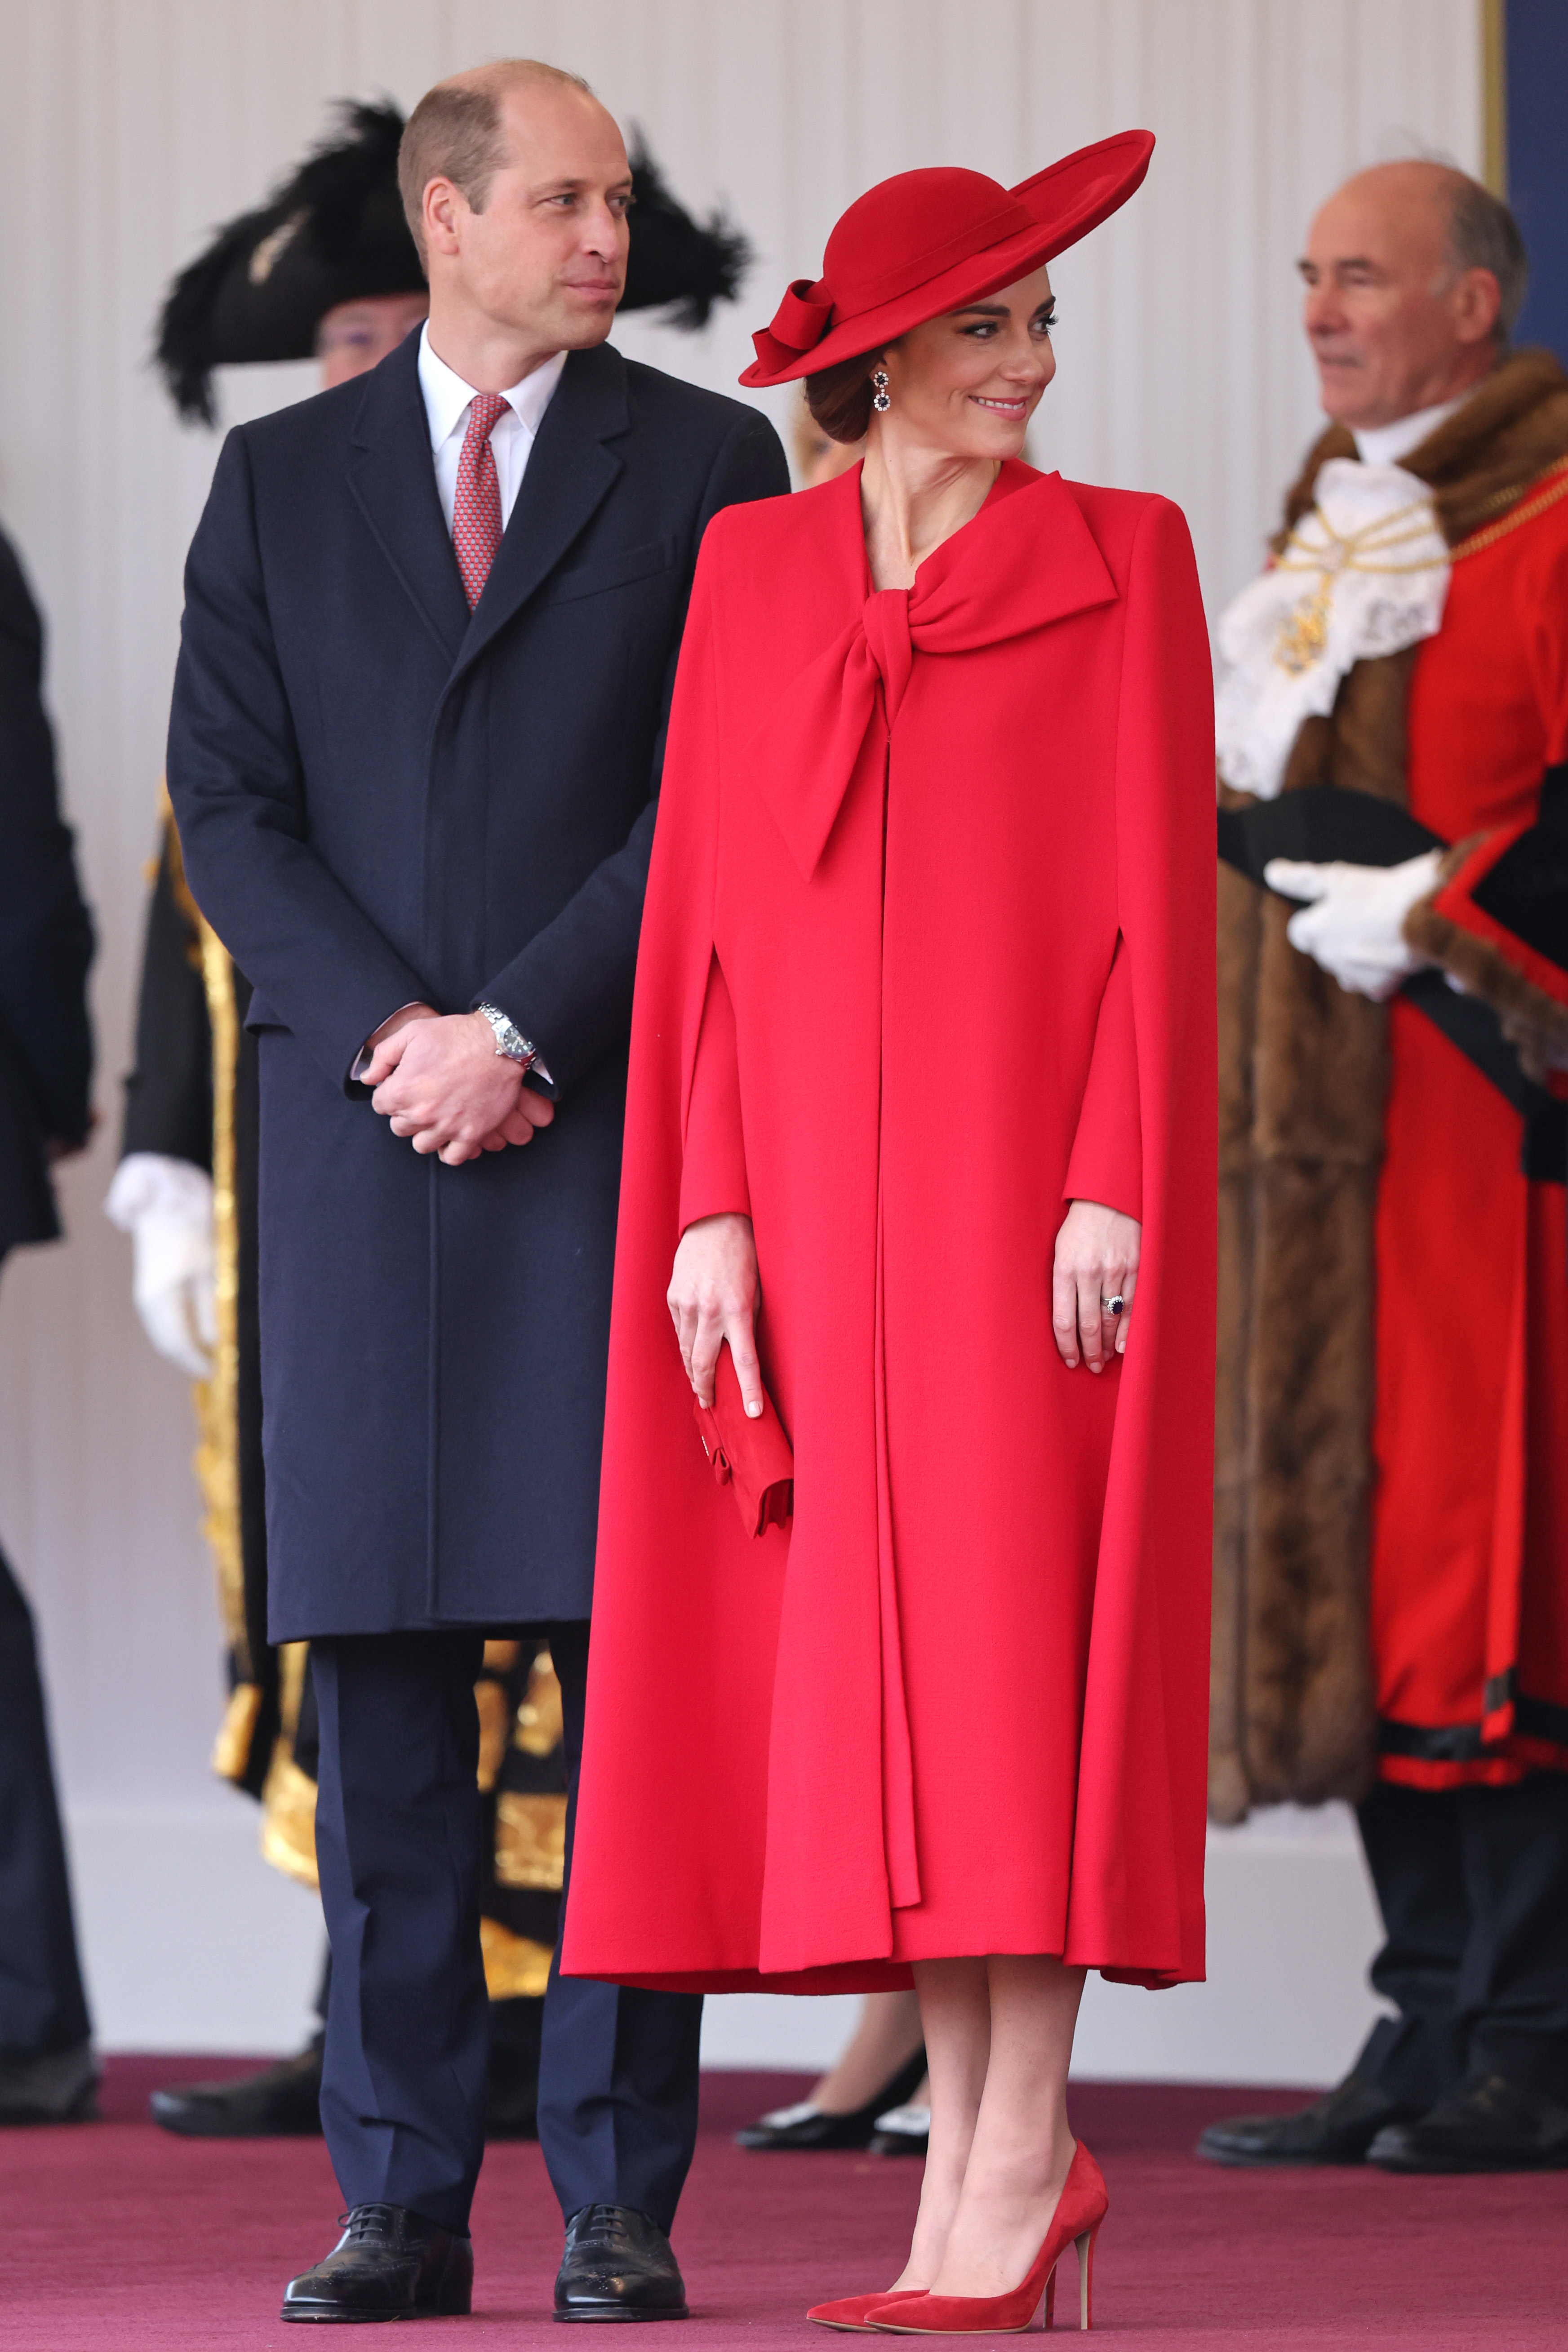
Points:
(880, 399)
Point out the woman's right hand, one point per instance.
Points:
(712, 1297)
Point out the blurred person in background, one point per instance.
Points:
(48, 2072)
(1390, 1601)
(818, 457)
(327, 267)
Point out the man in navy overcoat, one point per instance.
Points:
(430, 630)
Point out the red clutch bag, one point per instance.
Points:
(754, 1457)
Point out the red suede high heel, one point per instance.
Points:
(1080, 2210)
(849, 2311)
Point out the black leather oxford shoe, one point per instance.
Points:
(617, 2265)
(1337, 2129)
(281, 2102)
(49, 2086)
(1486, 2125)
(389, 2263)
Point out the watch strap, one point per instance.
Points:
(510, 1042)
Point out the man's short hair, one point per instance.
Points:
(1484, 235)
(455, 133)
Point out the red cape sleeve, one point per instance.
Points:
(1107, 1161)
(1142, 1776)
(713, 1161)
(675, 1564)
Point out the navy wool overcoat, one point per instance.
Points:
(381, 798)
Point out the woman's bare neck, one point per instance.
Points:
(912, 499)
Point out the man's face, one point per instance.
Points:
(1393, 327)
(354, 336)
(547, 256)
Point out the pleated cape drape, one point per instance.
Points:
(928, 949)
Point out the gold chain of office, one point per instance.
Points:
(1551, 486)
(1304, 635)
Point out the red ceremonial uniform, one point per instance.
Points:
(1469, 1562)
(928, 952)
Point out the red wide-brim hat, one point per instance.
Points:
(926, 242)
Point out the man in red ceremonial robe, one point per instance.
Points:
(1392, 1546)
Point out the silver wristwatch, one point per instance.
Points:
(510, 1042)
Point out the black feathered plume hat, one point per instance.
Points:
(674, 258)
(335, 232)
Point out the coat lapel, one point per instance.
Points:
(393, 480)
(570, 472)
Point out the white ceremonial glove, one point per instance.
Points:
(1354, 926)
(166, 1207)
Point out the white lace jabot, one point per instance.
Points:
(1364, 573)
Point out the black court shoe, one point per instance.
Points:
(617, 2265)
(1337, 2129)
(281, 2102)
(808, 2126)
(1488, 2125)
(389, 2263)
(901, 2131)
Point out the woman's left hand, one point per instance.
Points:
(1096, 1260)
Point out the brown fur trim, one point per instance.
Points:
(1301, 1066)
(1484, 458)
(1480, 460)
(1533, 1022)
(1302, 1076)
(1334, 441)
(1307, 1714)
(1369, 727)
(1240, 936)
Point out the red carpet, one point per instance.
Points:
(117, 2236)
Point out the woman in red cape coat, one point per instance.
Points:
(928, 954)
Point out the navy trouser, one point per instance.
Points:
(1473, 1887)
(41, 2004)
(398, 1845)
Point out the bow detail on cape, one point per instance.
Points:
(1025, 561)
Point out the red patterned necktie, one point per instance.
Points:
(476, 507)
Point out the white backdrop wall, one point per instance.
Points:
(133, 127)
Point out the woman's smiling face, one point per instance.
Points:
(969, 381)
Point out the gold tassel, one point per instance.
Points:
(516, 1967)
(530, 1840)
(539, 1721)
(231, 1748)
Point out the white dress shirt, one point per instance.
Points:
(446, 402)
(1389, 445)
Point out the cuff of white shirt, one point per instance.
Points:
(363, 1059)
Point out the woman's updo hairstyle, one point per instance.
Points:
(839, 398)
